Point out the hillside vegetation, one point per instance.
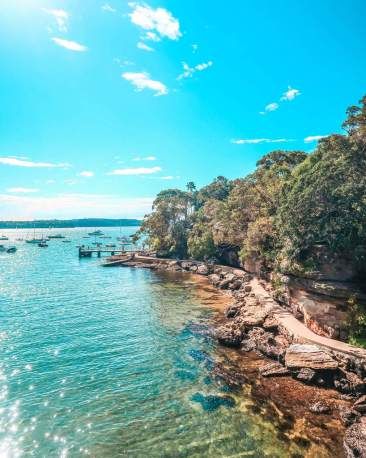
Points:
(279, 215)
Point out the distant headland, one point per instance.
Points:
(67, 223)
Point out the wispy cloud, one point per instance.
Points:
(314, 138)
(290, 94)
(151, 36)
(135, 171)
(107, 7)
(287, 96)
(30, 164)
(70, 45)
(22, 190)
(255, 141)
(146, 158)
(270, 107)
(142, 80)
(86, 174)
(144, 46)
(189, 71)
(73, 205)
(61, 17)
(195, 48)
(159, 20)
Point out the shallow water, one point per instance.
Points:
(104, 362)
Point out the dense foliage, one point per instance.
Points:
(290, 204)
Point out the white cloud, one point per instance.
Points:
(270, 107)
(86, 174)
(142, 80)
(254, 141)
(290, 94)
(70, 45)
(135, 171)
(195, 47)
(22, 163)
(73, 205)
(314, 138)
(151, 36)
(287, 96)
(61, 17)
(22, 190)
(147, 158)
(144, 47)
(159, 20)
(107, 7)
(189, 71)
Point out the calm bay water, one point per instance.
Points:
(102, 362)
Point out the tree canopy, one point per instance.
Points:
(292, 202)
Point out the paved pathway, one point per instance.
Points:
(299, 331)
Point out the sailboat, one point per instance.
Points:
(35, 240)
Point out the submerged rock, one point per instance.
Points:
(210, 403)
(311, 356)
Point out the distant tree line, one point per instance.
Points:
(69, 223)
(291, 203)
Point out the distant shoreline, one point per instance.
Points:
(70, 223)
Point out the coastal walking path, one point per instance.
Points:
(298, 330)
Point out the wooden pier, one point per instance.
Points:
(87, 252)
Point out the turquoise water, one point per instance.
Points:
(103, 362)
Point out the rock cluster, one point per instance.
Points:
(251, 325)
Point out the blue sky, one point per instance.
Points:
(105, 103)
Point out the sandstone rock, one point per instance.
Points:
(224, 283)
(193, 269)
(273, 370)
(203, 270)
(306, 375)
(230, 277)
(270, 323)
(230, 335)
(247, 345)
(239, 273)
(232, 310)
(360, 405)
(214, 279)
(236, 284)
(348, 416)
(355, 440)
(247, 288)
(310, 356)
(186, 265)
(320, 407)
(254, 316)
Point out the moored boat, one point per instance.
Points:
(97, 232)
(56, 236)
(11, 249)
(4, 237)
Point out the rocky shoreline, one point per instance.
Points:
(254, 321)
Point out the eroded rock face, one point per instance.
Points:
(355, 440)
(310, 356)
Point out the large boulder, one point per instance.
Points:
(355, 440)
(203, 270)
(230, 334)
(311, 356)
